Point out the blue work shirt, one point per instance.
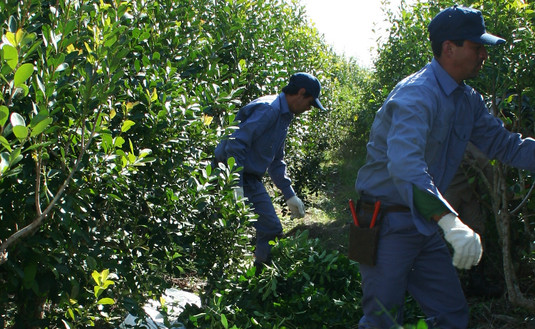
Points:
(419, 136)
(258, 144)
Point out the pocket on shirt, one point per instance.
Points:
(462, 131)
(435, 145)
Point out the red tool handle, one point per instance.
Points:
(375, 213)
(353, 212)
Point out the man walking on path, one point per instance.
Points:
(258, 146)
(417, 142)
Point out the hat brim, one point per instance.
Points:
(488, 39)
(318, 105)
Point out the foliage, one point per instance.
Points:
(108, 117)
(305, 287)
(109, 114)
(83, 315)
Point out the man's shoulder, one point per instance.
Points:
(264, 100)
(262, 103)
(263, 106)
(425, 77)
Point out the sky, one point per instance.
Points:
(348, 25)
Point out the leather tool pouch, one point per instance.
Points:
(363, 239)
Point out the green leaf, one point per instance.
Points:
(97, 291)
(24, 88)
(119, 141)
(224, 321)
(106, 284)
(12, 24)
(144, 152)
(230, 162)
(106, 301)
(10, 36)
(20, 132)
(15, 157)
(71, 314)
(18, 37)
(421, 325)
(22, 74)
(4, 162)
(42, 115)
(104, 275)
(96, 277)
(40, 127)
(5, 143)
(62, 67)
(127, 125)
(17, 120)
(40, 145)
(11, 56)
(4, 114)
(65, 323)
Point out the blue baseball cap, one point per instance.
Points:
(461, 23)
(311, 85)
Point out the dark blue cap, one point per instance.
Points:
(311, 85)
(461, 23)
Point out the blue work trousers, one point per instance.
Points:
(268, 225)
(422, 265)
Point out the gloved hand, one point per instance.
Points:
(238, 193)
(466, 243)
(297, 208)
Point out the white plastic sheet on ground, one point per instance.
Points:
(175, 300)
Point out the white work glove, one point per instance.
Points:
(297, 208)
(466, 243)
(238, 193)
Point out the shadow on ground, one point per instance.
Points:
(333, 235)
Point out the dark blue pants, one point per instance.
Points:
(419, 264)
(268, 225)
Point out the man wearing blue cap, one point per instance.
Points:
(417, 142)
(258, 146)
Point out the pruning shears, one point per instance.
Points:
(377, 206)
(353, 212)
(375, 213)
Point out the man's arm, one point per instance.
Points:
(239, 144)
(278, 174)
(465, 242)
(428, 205)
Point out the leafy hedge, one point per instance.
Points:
(109, 113)
(306, 287)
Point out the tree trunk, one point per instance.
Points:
(502, 216)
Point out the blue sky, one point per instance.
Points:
(347, 25)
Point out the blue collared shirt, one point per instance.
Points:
(420, 134)
(258, 144)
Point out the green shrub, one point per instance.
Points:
(305, 287)
(109, 115)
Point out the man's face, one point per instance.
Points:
(469, 58)
(302, 103)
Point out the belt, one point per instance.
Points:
(391, 208)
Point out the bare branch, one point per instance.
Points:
(524, 200)
(30, 228)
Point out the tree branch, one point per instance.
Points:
(30, 228)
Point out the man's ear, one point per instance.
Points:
(447, 47)
(302, 91)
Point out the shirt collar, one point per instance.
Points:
(285, 109)
(448, 84)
